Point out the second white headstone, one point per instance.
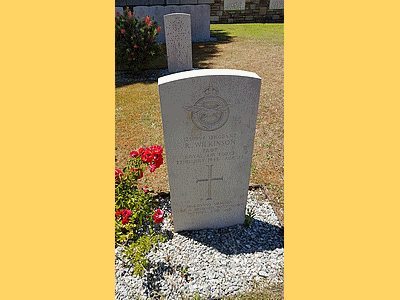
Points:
(178, 42)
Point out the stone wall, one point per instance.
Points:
(256, 11)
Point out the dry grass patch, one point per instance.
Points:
(264, 58)
(138, 124)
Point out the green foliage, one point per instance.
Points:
(183, 271)
(253, 169)
(135, 44)
(135, 208)
(250, 31)
(249, 217)
(196, 297)
(136, 251)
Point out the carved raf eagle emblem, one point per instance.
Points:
(210, 112)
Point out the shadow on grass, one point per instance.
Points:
(202, 55)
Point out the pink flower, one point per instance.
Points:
(118, 174)
(149, 24)
(123, 31)
(134, 154)
(152, 168)
(146, 191)
(134, 46)
(158, 216)
(129, 14)
(158, 28)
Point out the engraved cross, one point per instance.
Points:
(209, 179)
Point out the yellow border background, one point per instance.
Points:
(341, 150)
(57, 124)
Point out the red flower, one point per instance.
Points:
(158, 161)
(147, 19)
(147, 156)
(142, 150)
(158, 216)
(118, 213)
(125, 221)
(126, 212)
(117, 13)
(156, 149)
(129, 14)
(134, 46)
(118, 174)
(158, 28)
(149, 24)
(134, 154)
(123, 31)
(152, 168)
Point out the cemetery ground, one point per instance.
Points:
(256, 48)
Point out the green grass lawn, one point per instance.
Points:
(256, 30)
(256, 48)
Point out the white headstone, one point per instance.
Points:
(178, 42)
(276, 4)
(234, 4)
(159, 18)
(209, 120)
(171, 9)
(200, 17)
(140, 12)
(119, 10)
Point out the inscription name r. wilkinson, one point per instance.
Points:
(210, 143)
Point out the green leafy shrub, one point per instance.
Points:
(249, 217)
(135, 45)
(136, 209)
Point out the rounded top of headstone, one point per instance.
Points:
(206, 72)
(177, 14)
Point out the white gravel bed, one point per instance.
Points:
(221, 262)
